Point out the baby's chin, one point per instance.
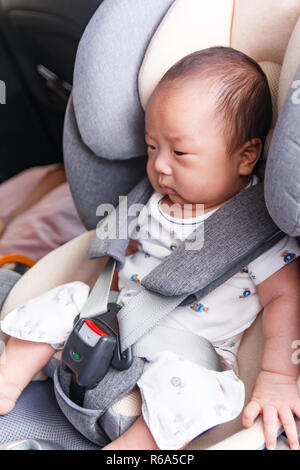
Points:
(175, 198)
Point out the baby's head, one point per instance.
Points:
(206, 123)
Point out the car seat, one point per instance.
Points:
(152, 40)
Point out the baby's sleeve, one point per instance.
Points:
(282, 253)
(48, 318)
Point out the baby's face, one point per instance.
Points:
(187, 157)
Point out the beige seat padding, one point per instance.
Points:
(188, 26)
(266, 30)
(261, 29)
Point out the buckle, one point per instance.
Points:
(94, 346)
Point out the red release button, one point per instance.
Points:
(95, 328)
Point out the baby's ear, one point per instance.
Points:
(249, 156)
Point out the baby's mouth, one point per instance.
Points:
(166, 189)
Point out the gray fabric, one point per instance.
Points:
(105, 91)
(97, 402)
(234, 235)
(94, 180)
(112, 387)
(115, 385)
(38, 416)
(7, 281)
(51, 367)
(83, 419)
(104, 147)
(236, 264)
(30, 444)
(282, 179)
(115, 424)
(116, 246)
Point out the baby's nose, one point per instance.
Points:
(163, 164)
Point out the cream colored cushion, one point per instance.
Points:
(263, 29)
(189, 25)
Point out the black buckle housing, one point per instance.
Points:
(94, 346)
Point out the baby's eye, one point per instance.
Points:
(150, 147)
(179, 153)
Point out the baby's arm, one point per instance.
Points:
(21, 360)
(276, 393)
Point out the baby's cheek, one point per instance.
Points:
(192, 188)
(199, 190)
(151, 174)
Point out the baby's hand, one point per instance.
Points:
(274, 396)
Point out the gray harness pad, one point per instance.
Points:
(97, 403)
(234, 235)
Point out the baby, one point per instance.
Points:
(206, 123)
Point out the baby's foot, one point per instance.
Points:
(9, 392)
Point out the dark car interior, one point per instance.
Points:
(38, 43)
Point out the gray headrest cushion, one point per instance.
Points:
(105, 90)
(94, 180)
(282, 177)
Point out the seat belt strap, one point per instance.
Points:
(143, 312)
(181, 342)
(139, 317)
(98, 299)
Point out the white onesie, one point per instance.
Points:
(181, 399)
